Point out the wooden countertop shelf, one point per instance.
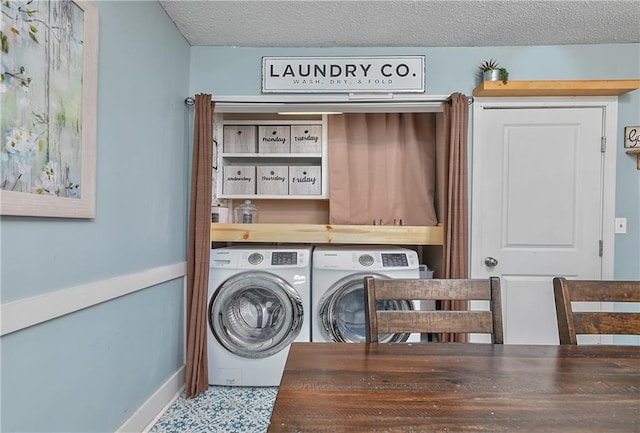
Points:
(328, 234)
(635, 151)
(557, 88)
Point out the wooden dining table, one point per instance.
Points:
(458, 387)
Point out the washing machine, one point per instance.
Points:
(337, 289)
(258, 304)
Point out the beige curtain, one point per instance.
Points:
(456, 244)
(199, 247)
(382, 168)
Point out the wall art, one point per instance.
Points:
(48, 83)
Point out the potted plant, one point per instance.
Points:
(492, 71)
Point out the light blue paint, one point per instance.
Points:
(627, 266)
(90, 370)
(237, 71)
(228, 71)
(633, 340)
(142, 200)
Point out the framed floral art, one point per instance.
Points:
(48, 83)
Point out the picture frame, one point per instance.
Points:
(632, 137)
(48, 149)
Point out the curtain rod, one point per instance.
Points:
(190, 101)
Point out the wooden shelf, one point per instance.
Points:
(556, 88)
(635, 151)
(328, 234)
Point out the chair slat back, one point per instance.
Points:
(394, 321)
(433, 321)
(479, 290)
(571, 324)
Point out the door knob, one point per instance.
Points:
(490, 262)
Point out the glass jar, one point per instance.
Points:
(246, 213)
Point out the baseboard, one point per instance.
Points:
(151, 410)
(20, 314)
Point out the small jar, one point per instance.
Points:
(246, 213)
(219, 213)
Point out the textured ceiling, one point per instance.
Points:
(392, 23)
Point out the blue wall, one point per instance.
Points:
(237, 71)
(89, 370)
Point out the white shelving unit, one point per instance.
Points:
(263, 110)
(229, 159)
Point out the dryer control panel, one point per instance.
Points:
(365, 259)
(394, 260)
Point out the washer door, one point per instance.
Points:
(341, 311)
(255, 314)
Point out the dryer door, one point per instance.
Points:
(255, 314)
(341, 311)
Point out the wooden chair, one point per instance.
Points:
(571, 323)
(433, 321)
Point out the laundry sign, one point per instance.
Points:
(362, 74)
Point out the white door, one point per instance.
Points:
(540, 201)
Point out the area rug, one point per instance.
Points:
(228, 409)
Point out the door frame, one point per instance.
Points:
(608, 192)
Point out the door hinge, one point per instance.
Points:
(603, 144)
(600, 247)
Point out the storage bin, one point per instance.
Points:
(239, 139)
(305, 180)
(272, 180)
(239, 179)
(306, 138)
(274, 139)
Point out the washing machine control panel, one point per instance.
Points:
(281, 258)
(394, 260)
(265, 258)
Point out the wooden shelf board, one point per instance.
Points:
(328, 234)
(556, 88)
(634, 151)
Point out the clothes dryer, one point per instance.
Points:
(337, 289)
(259, 303)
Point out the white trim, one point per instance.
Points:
(151, 410)
(20, 314)
(609, 188)
(360, 103)
(335, 98)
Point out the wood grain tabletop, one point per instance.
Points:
(458, 387)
